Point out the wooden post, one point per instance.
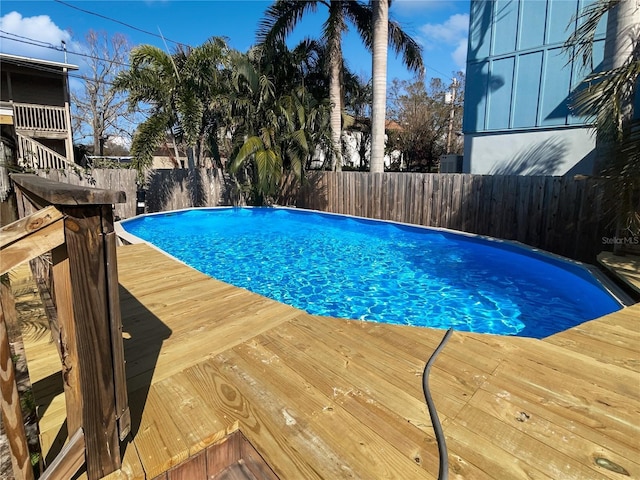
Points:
(67, 345)
(123, 415)
(85, 246)
(86, 284)
(11, 412)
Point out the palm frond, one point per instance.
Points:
(402, 43)
(281, 18)
(602, 98)
(148, 137)
(579, 45)
(250, 146)
(362, 17)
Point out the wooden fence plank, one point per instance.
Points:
(562, 215)
(524, 208)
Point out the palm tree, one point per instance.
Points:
(282, 17)
(607, 97)
(182, 90)
(379, 75)
(278, 122)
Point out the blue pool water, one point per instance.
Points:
(365, 269)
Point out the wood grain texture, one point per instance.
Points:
(56, 193)
(627, 268)
(558, 214)
(328, 398)
(30, 246)
(68, 461)
(11, 412)
(67, 342)
(86, 250)
(123, 414)
(26, 226)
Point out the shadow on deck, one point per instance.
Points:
(328, 398)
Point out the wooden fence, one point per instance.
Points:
(109, 179)
(167, 189)
(563, 215)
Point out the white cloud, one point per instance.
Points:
(453, 32)
(459, 55)
(450, 31)
(28, 31)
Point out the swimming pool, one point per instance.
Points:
(357, 268)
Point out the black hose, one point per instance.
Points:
(443, 473)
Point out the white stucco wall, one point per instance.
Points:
(540, 152)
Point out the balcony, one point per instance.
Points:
(40, 120)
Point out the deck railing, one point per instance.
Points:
(75, 224)
(34, 155)
(42, 118)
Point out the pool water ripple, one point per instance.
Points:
(362, 269)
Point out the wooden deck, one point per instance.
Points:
(626, 268)
(328, 398)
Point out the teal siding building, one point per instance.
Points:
(517, 113)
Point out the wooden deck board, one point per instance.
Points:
(328, 398)
(626, 267)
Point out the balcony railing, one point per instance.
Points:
(40, 118)
(34, 155)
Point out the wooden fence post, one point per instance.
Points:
(85, 247)
(86, 284)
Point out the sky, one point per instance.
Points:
(439, 26)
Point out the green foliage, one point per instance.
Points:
(607, 99)
(27, 402)
(282, 17)
(423, 115)
(183, 90)
(278, 122)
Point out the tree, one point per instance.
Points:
(607, 98)
(282, 17)
(99, 111)
(278, 122)
(423, 115)
(184, 91)
(379, 75)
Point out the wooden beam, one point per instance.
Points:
(115, 322)
(31, 246)
(29, 237)
(68, 461)
(66, 339)
(86, 251)
(11, 412)
(57, 193)
(25, 226)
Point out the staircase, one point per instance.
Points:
(34, 155)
